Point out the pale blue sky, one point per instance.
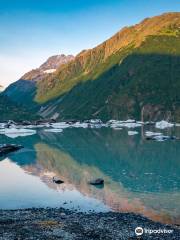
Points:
(33, 30)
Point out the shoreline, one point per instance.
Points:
(59, 223)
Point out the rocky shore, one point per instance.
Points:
(64, 224)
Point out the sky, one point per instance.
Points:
(33, 30)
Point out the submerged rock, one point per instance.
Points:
(8, 148)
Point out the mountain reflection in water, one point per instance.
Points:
(140, 176)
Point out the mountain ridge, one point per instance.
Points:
(132, 74)
(25, 87)
(85, 62)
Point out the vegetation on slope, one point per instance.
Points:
(145, 85)
(10, 110)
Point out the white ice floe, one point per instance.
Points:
(60, 125)
(163, 124)
(2, 125)
(161, 138)
(80, 125)
(130, 121)
(95, 121)
(117, 128)
(17, 132)
(37, 126)
(131, 133)
(152, 134)
(128, 124)
(56, 130)
(157, 136)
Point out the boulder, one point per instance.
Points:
(98, 181)
(57, 180)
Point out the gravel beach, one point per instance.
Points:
(71, 225)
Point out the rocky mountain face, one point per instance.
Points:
(134, 74)
(55, 61)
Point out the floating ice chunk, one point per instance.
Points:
(80, 125)
(129, 121)
(117, 128)
(38, 126)
(17, 132)
(95, 121)
(161, 138)
(60, 125)
(56, 130)
(2, 125)
(132, 125)
(158, 136)
(127, 125)
(152, 134)
(140, 122)
(163, 124)
(131, 133)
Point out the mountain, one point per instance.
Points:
(23, 91)
(134, 74)
(9, 110)
(1, 88)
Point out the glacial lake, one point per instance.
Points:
(140, 176)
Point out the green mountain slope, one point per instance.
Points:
(11, 111)
(139, 80)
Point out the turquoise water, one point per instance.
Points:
(140, 176)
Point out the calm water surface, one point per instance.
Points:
(140, 176)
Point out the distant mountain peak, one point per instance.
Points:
(48, 67)
(1, 88)
(55, 61)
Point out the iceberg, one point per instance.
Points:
(131, 133)
(60, 125)
(163, 124)
(128, 124)
(56, 130)
(152, 134)
(17, 132)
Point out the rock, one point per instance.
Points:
(26, 123)
(98, 181)
(57, 180)
(161, 138)
(8, 148)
